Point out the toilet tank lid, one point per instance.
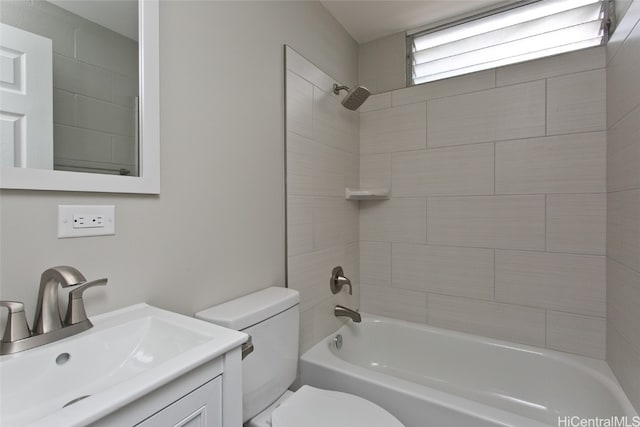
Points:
(240, 313)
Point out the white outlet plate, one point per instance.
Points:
(84, 221)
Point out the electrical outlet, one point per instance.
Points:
(88, 221)
(84, 221)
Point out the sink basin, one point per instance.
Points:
(127, 354)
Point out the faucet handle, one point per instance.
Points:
(75, 308)
(17, 327)
(338, 280)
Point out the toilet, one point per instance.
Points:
(271, 317)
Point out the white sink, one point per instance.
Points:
(127, 354)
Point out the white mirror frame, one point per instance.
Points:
(149, 169)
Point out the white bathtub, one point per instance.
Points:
(428, 376)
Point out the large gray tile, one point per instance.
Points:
(465, 170)
(623, 300)
(375, 170)
(563, 282)
(446, 87)
(309, 272)
(573, 62)
(99, 46)
(394, 129)
(397, 220)
(376, 102)
(299, 225)
(577, 223)
(307, 70)
(351, 163)
(501, 321)
(81, 144)
(334, 125)
(124, 149)
(623, 227)
(299, 105)
(630, 377)
(375, 263)
(576, 103)
(574, 333)
(442, 269)
(307, 339)
(623, 91)
(314, 168)
(125, 90)
(64, 108)
(81, 78)
(329, 222)
(395, 303)
(623, 153)
(104, 116)
(491, 115)
(558, 164)
(509, 222)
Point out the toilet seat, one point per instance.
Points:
(313, 407)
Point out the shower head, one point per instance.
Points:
(355, 97)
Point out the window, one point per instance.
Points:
(527, 30)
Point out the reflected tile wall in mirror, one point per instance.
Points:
(95, 87)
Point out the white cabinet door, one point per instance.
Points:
(26, 99)
(200, 408)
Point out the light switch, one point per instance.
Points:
(84, 221)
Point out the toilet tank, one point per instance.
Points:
(271, 317)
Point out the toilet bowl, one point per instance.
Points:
(271, 317)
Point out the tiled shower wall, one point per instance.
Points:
(322, 227)
(623, 204)
(497, 219)
(95, 82)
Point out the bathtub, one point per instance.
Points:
(428, 376)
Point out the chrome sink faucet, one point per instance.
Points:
(47, 310)
(48, 325)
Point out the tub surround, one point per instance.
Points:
(496, 222)
(322, 149)
(623, 204)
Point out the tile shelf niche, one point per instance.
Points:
(367, 193)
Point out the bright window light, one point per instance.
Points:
(522, 33)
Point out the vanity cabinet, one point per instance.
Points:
(202, 407)
(208, 396)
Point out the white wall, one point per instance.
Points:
(217, 229)
(623, 204)
(496, 222)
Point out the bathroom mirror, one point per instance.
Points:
(79, 96)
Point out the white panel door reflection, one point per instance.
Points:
(26, 99)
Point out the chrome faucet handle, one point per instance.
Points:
(17, 327)
(75, 308)
(338, 280)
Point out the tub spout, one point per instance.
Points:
(341, 311)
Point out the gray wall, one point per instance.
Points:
(383, 63)
(623, 204)
(217, 229)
